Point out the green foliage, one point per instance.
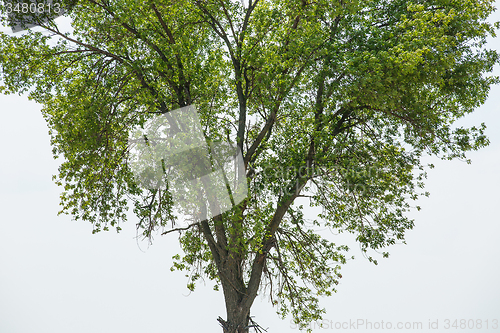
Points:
(334, 101)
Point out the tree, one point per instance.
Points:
(335, 102)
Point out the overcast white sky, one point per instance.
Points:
(56, 277)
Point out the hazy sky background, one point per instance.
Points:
(56, 277)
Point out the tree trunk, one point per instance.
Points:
(236, 298)
(237, 314)
(234, 326)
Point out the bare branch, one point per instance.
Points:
(181, 229)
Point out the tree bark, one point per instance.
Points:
(235, 295)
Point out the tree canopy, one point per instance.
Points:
(333, 101)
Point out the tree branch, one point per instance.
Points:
(180, 229)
